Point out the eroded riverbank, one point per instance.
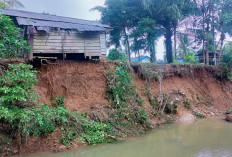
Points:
(207, 137)
(157, 95)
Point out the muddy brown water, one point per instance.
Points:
(202, 138)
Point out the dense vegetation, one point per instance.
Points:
(129, 113)
(116, 55)
(137, 25)
(22, 117)
(11, 43)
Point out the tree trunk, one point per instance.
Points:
(128, 44)
(203, 28)
(168, 44)
(207, 48)
(222, 43)
(175, 42)
(151, 44)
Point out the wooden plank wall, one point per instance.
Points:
(103, 43)
(91, 43)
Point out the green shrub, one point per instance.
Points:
(58, 101)
(20, 117)
(126, 102)
(187, 103)
(226, 65)
(116, 55)
(91, 132)
(199, 115)
(16, 86)
(189, 57)
(142, 116)
(11, 43)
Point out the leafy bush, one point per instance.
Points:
(92, 132)
(187, 103)
(226, 65)
(190, 58)
(58, 101)
(16, 86)
(24, 119)
(127, 104)
(199, 115)
(11, 43)
(116, 55)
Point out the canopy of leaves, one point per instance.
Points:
(167, 13)
(121, 16)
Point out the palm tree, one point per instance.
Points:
(11, 4)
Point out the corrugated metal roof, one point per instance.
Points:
(64, 25)
(45, 20)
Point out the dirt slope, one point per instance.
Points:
(84, 86)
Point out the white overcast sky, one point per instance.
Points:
(76, 9)
(70, 8)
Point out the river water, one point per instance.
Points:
(202, 138)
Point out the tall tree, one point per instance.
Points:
(167, 13)
(225, 21)
(148, 30)
(121, 15)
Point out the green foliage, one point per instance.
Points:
(187, 53)
(142, 116)
(146, 29)
(17, 85)
(199, 115)
(20, 117)
(11, 43)
(226, 65)
(16, 93)
(125, 100)
(116, 55)
(168, 13)
(187, 103)
(229, 111)
(58, 101)
(189, 57)
(91, 132)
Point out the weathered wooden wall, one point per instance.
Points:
(90, 44)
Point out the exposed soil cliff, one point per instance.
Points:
(84, 84)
